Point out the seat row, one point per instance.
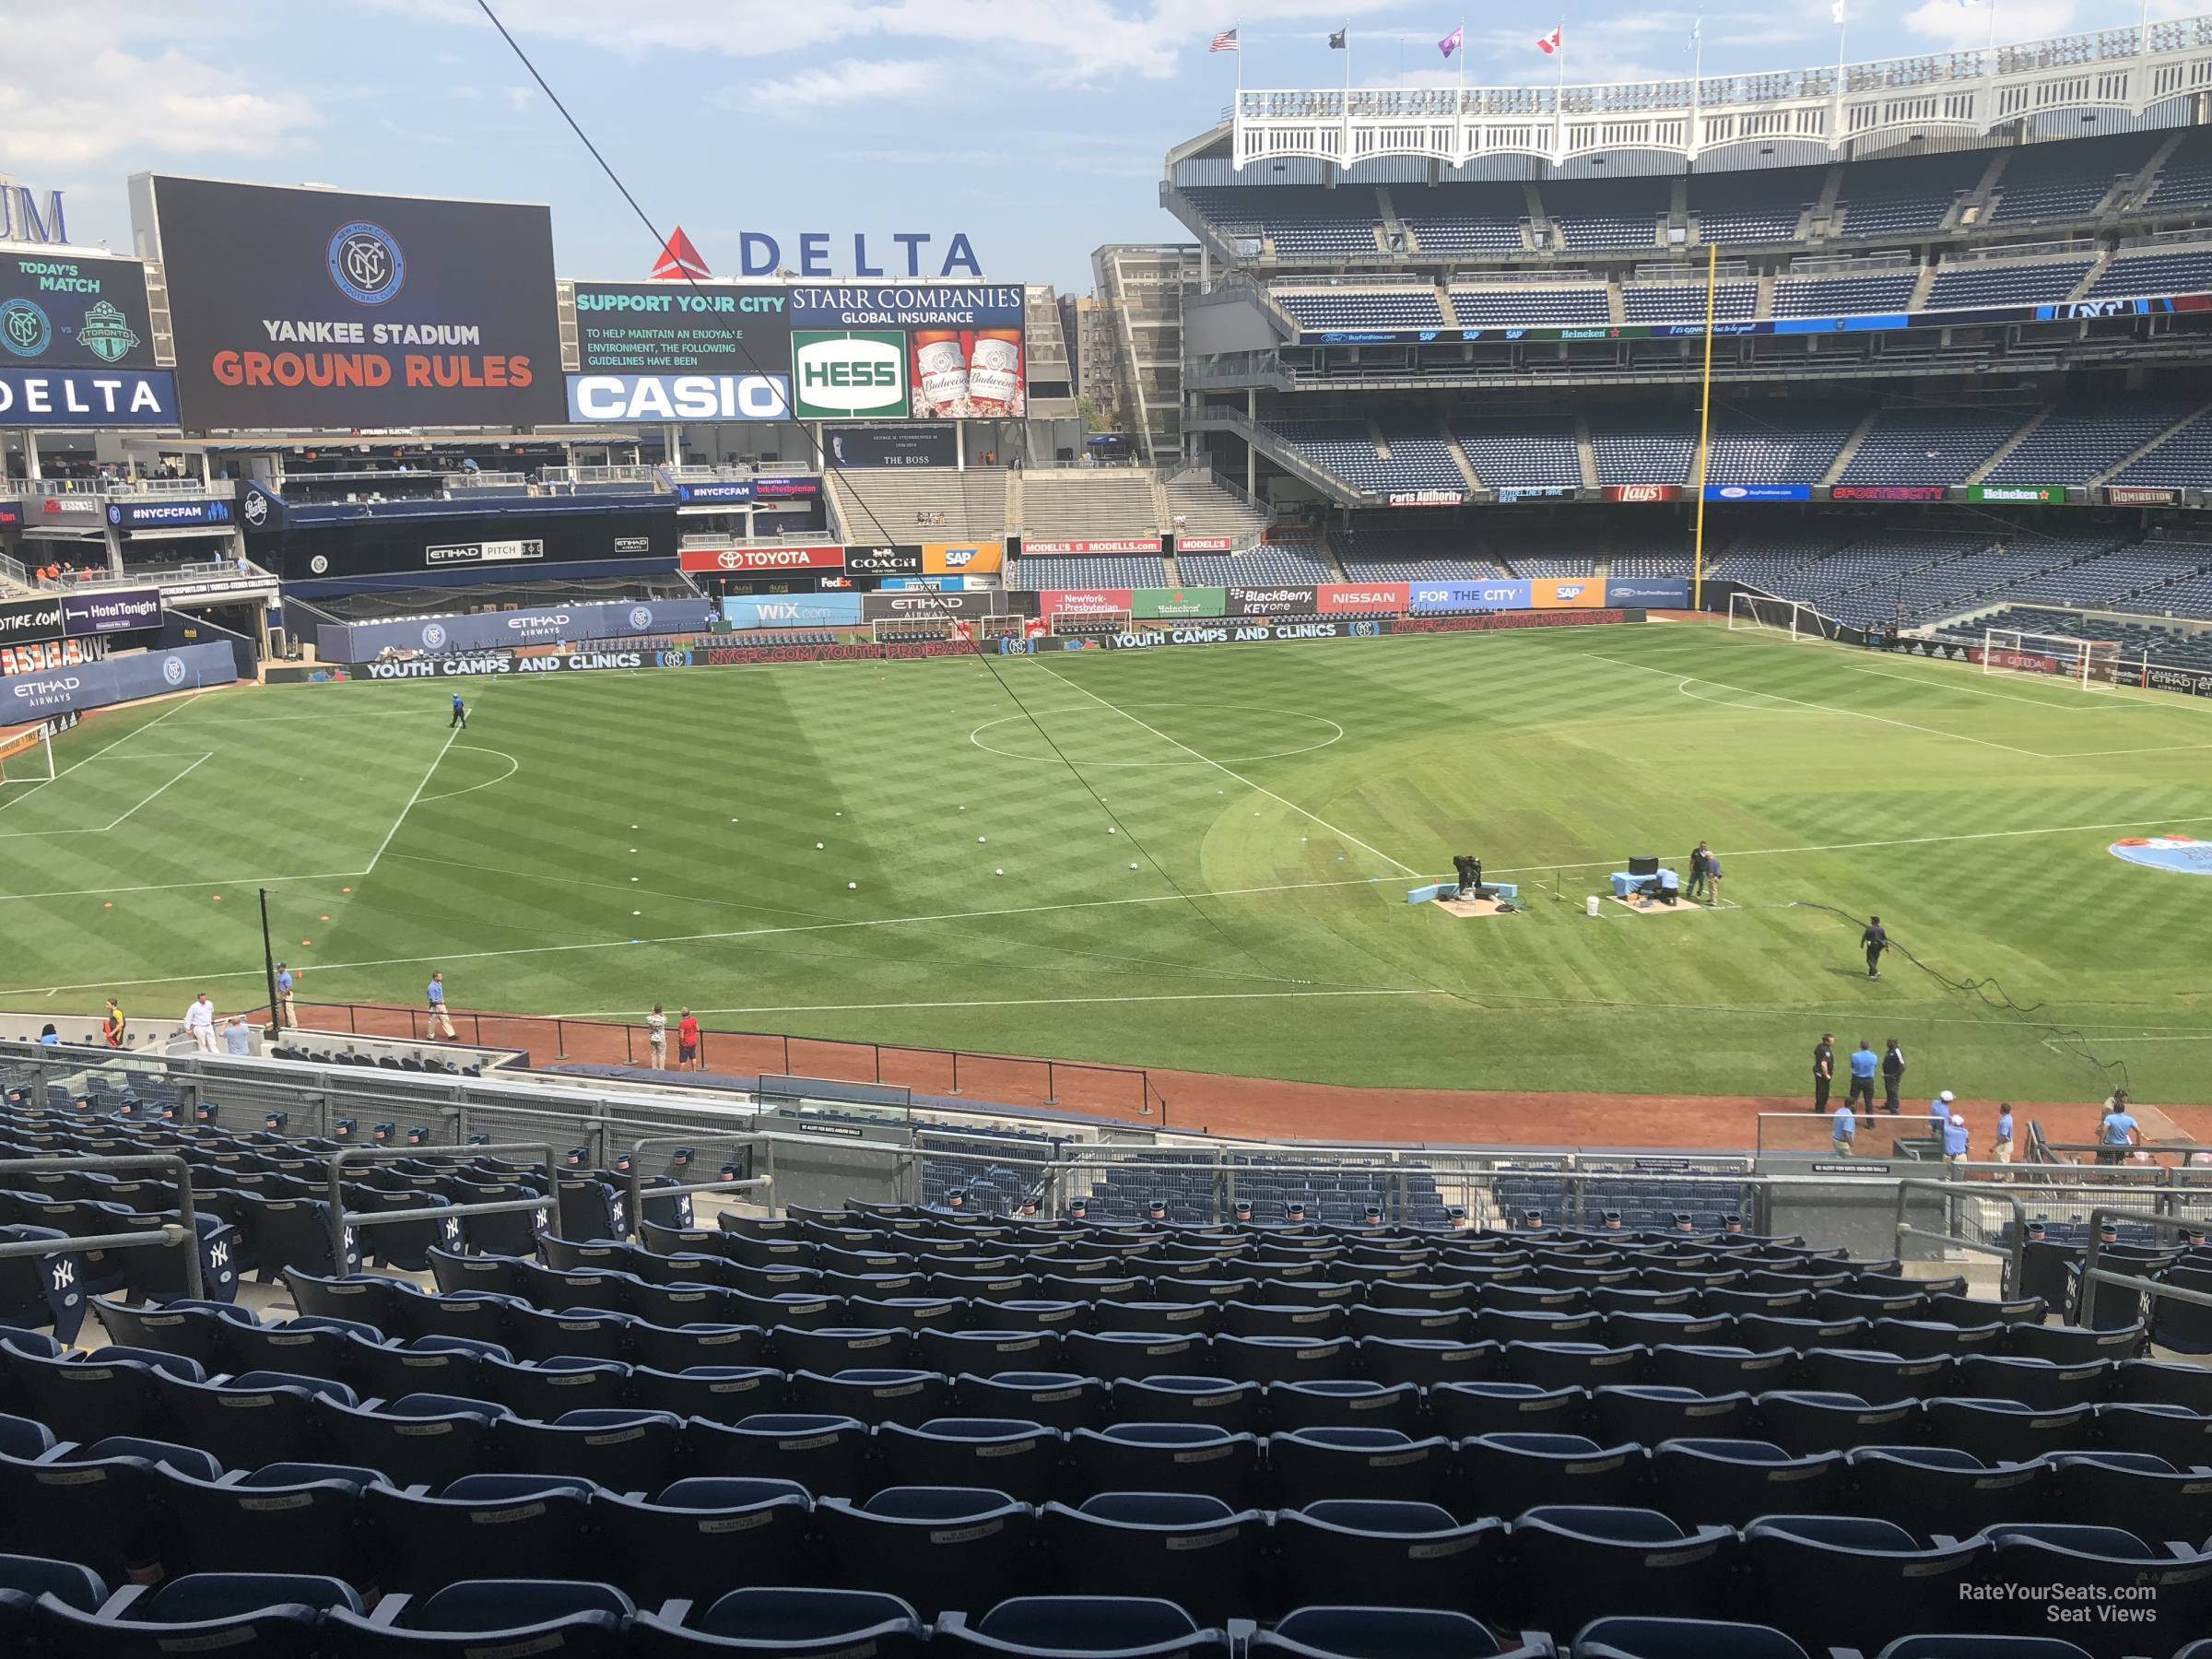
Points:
(1553, 1566)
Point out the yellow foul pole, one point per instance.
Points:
(1713, 271)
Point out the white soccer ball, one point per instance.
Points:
(998, 872)
(1112, 831)
(979, 839)
(1133, 866)
(818, 846)
(852, 887)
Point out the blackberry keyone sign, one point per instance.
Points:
(306, 308)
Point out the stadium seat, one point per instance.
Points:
(1648, 1413)
(1019, 1458)
(1380, 1632)
(261, 1613)
(2159, 1502)
(820, 1453)
(720, 1394)
(1164, 1458)
(570, 1617)
(1940, 1489)
(1732, 1482)
(1681, 1638)
(1805, 1420)
(964, 1547)
(1309, 1465)
(2176, 1591)
(1464, 1410)
(789, 1623)
(1059, 1627)
(1583, 1563)
(1994, 1429)
(1188, 1549)
(678, 1542)
(1061, 1400)
(92, 1503)
(302, 1519)
(623, 1450)
(872, 1396)
(2182, 1437)
(1506, 1474)
(1795, 1562)
(1349, 1405)
(1413, 1555)
(506, 1525)
(1981, 1647)
(1427, 1361)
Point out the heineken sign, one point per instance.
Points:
(2034, 495)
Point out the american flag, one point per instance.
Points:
(1225, 42)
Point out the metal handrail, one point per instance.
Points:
(747, 1184)
(2093, 1276)
(186, 1229)
(341, 1218)
(2014, 1256)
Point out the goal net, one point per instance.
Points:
(2092, 664)
(1764, 613)
(25, 756)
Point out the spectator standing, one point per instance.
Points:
(1954, 1148)
(199, 1024)
(687, 1043)
(1844, 1130)
(1863, 1063)
(1712, 874)
(1939, 1112)
(2120, 1132)
(656, 1037)
(114, 1027)
(2001, 1148)
(1877, 940)
(1696, 870)
(1893, 1076)
(238, 1037)
(283, 996)
(434, 995)
(1824, 1069)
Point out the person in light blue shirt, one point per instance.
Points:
(434, 995)
(284, 995)
(1954, 1148)
(2120, 1131)
(2000, 1149)
(51, 1038)
(1845, 1130)
(237, 1036)
(1864, 1064)
(1939, 1112)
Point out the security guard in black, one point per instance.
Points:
(1877, 940)
(1824, 1069)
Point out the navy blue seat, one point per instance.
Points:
(1932, 1490)
(87, 1397)
(545, 1389)
(1185, 1548)
(1212, 1402)
(1805, 1420)
(1649, 1413)
(2159, 1502)
(1164, 1458)
(1681, 1638)
(196, 1332)
(24, 1579)
(790, 1624)
(679, 1347)
(821, 1453)
(23, 1439)
(963, 1547)
(253, 1418)
(1730, 1482)
(2175, 1591)
(1114, 1355)
(1715, 1370)
(2182, 1437)
(1570, 1364)
(1309, 1465)
(1095, 1627)
(623, 1450)
(1981, 1647)
(417, 1439)
(1413, 1555)
(1794, 1564)
(1344, 1404)
(1019, 1458)
(1464, 1410)
(678, 1543)
(872, 1394)
(302, 1519)
(572, 1617)
(834, 1348)
(261, 1613)
(1373, 1633)
(1506, 1474)
(1581, 1562)
(1060, 1400)
(986, 1353)
(506, 1525)
(1876, 1374)
(720, 1394)
(92, 1503)
(1994, 1429)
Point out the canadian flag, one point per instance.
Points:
(1551, 42)
(679, 261)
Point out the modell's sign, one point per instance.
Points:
(1643, 492)
(737, 560)
(1205, 544)
(1132, 544)
(1426, 497)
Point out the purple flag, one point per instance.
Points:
(1452, 41)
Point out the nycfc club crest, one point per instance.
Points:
(366, 263)
(24, 329)
(106, 334)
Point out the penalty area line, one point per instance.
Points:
(1026, 1002)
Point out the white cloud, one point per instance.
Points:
(850, 82)
(70, 94)
(1947, 23)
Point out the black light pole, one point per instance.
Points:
(268, 965)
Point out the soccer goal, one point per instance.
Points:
(26, 756)
(1764, 613)
(2092, 664)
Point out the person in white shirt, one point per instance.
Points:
(199, 1024)
(656, 1034)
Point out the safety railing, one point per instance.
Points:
(2092, 1275)
(342, 1221)
(730, 1187)
(183, 1232)
(1952, 1236)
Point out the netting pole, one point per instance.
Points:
(1712, 274)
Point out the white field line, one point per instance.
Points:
(1676, 674)
(103, 829)
(1028, 1002)
(181, 703)
(1247, 783)
(452, 732)
(170, 784)
(176, 887)
(513, 766)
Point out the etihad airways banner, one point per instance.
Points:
(498, 631)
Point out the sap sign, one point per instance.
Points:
(793, 610)
(679, 397)
(1432, 597)
(762, 255)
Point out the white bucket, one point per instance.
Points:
(1590, 905)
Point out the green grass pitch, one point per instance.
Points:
(595, 843)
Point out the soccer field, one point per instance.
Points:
(595, 843)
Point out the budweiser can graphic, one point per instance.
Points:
(995, 369)
(940, 368)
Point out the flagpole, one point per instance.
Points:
(1238, 29)
(1697, 74)
(1558, 98)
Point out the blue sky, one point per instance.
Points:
(1035, 126)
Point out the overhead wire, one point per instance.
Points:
(829, 469)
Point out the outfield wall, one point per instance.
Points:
(499, 631)
(120, 679)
